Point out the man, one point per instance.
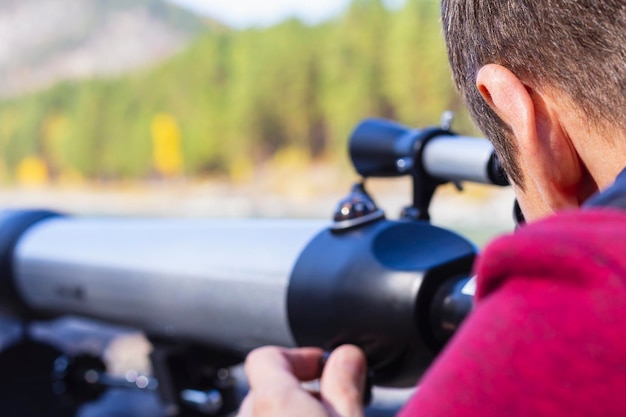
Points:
(546, 82)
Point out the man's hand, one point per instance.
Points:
(275, 376)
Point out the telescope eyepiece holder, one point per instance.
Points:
(380, 148)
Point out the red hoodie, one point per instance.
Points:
(548, 333)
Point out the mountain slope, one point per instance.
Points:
(44, 42)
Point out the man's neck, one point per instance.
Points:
(601, 151)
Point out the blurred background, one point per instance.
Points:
(214, 108)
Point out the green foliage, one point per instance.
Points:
(239, 97)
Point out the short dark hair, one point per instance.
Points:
(575, 46)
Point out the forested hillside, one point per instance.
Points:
(236, 99)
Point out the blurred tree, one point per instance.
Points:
(54, 132)
(353, 70)
(166, 150)
(32, 171)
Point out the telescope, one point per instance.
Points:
(206, 292)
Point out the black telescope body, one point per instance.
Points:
(396, 288)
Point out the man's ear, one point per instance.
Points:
(547, 158)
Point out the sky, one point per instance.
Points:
(262, 13)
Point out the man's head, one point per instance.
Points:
(571, 51)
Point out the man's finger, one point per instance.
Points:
(343, 382)
(282, 367)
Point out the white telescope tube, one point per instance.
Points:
(458, 158)
(172, 278)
